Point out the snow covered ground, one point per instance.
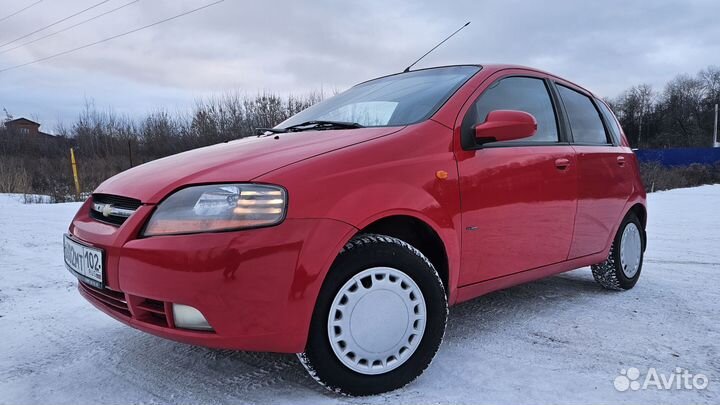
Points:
(559, 340)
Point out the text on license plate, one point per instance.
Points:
(83, 260)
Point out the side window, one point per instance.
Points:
(585, 122)
(514, 93)
(611, 122)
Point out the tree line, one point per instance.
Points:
(679, 115)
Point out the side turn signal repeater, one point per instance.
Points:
(441, 174)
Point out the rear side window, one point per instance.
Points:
(584, 118)
(516, 93)
(611, 122)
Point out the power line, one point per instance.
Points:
(69, 28)
(112, 37)
(19, 11)
(55, 23)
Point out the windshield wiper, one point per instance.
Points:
(309, 126)
(322, 124)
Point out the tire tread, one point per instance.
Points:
(605, 273)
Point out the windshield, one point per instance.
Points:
(395, 100)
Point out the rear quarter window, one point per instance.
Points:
(611, 121)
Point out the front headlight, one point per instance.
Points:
(218, 207)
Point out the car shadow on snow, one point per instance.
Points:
(525, 302)
(577, 284)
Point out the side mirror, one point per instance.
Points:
(505, 125)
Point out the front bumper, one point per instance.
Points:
(257, 288)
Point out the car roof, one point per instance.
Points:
(498, 67)
(492, 67)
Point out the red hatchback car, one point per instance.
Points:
(344, 233)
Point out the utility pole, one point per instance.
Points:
(73, 163)
(716, 144)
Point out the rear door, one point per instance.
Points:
(518, 198)
(605, 181)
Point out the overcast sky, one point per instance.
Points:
(293, 46)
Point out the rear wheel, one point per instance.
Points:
(379, 318)
(622, 268)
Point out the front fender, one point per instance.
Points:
(448, 234)
(393, 175)
(355, 209)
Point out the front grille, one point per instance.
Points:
(142, 309)
(116, 202)
(114, 300)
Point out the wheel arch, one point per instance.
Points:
(417, 233)
(641, 212)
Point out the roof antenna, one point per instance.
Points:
(407, 69)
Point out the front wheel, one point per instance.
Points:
(379, 318)
(622, 268)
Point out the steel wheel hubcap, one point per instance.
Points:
(630, 250)
(377, 320)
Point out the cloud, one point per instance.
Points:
(287, 46)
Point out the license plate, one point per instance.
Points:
(84, 262)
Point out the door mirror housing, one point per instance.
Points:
(505, 125)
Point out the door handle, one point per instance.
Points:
(562, 163)
(621, 161)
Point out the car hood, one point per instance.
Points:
(234, 161)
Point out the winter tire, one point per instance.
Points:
(379, 318)
(622, 268)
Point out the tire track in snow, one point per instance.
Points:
(688, 262)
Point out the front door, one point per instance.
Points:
(518, 198)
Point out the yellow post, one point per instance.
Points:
(75, 172)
